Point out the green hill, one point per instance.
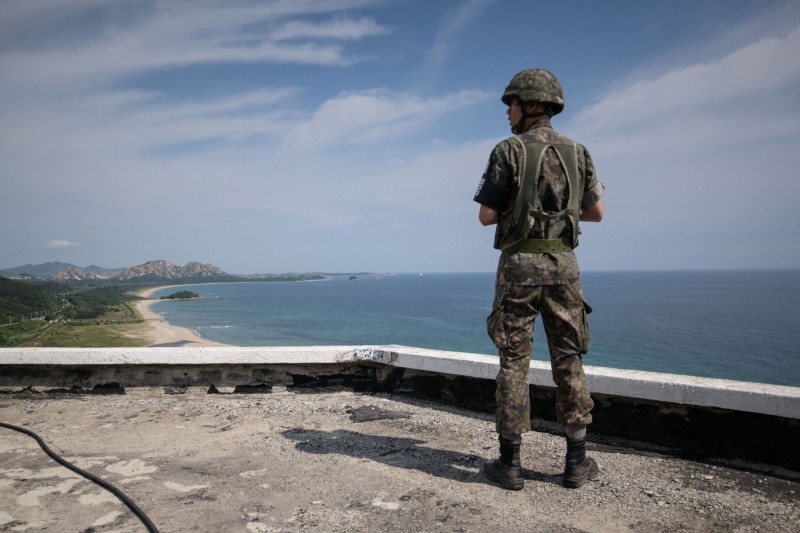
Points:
(28, 310)
(20, 299)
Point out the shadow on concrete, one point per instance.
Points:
(175, 344)
(401, 452)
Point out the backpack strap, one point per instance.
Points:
(528, 204)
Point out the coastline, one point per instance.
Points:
(160, 332)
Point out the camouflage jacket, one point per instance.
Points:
(504, 170)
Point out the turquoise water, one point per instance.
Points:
(740, 325)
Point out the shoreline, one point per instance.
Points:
(160, 332)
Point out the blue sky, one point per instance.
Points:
(350, 135)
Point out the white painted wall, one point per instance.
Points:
(688, 390)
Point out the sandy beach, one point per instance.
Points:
(160, 332)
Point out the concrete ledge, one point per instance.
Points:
(747, 397)
(760, 398)
(713, 419)
(185, 356)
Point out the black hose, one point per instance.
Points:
(106, 485)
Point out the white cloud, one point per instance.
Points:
(337, 28)
(69, 100)
(58, 244)
(113, 100)
(161, 162)
(175, 34)
(445, 43)
(231, 118)
(301, 166)
(737, 101)
(751, 72)
(700, 159)
(438, 181)
(374, 116)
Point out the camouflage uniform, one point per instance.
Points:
(532, 283)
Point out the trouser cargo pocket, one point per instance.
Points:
(496, 327)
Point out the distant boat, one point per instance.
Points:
(353, 278)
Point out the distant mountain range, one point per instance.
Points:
(151, 271)
(45, 270)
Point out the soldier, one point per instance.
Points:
(537, 186)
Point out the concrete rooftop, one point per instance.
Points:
(298, 452)
(297, 460)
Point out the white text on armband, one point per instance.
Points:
(480, 186)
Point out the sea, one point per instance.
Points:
(732, 324)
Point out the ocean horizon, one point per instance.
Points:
(729, 324)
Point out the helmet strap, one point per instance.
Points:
(518, 127)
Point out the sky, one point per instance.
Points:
(350, 135)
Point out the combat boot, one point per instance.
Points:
(579, 469)
(507, 471)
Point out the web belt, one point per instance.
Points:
(539, 246)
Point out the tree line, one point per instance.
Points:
(25, 305)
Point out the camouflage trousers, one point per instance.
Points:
(510, 326)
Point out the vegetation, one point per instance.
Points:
(181, 295)
(94, 303)
(17, 332)
(20, 301)
(32, 311)
(89, 312)
(118, 327)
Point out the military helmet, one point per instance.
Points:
(535, 85)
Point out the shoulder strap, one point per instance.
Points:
(528, 205)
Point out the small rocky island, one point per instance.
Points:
(181, 295)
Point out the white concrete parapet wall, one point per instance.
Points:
(774, 400)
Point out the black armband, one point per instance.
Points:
(492, 195)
